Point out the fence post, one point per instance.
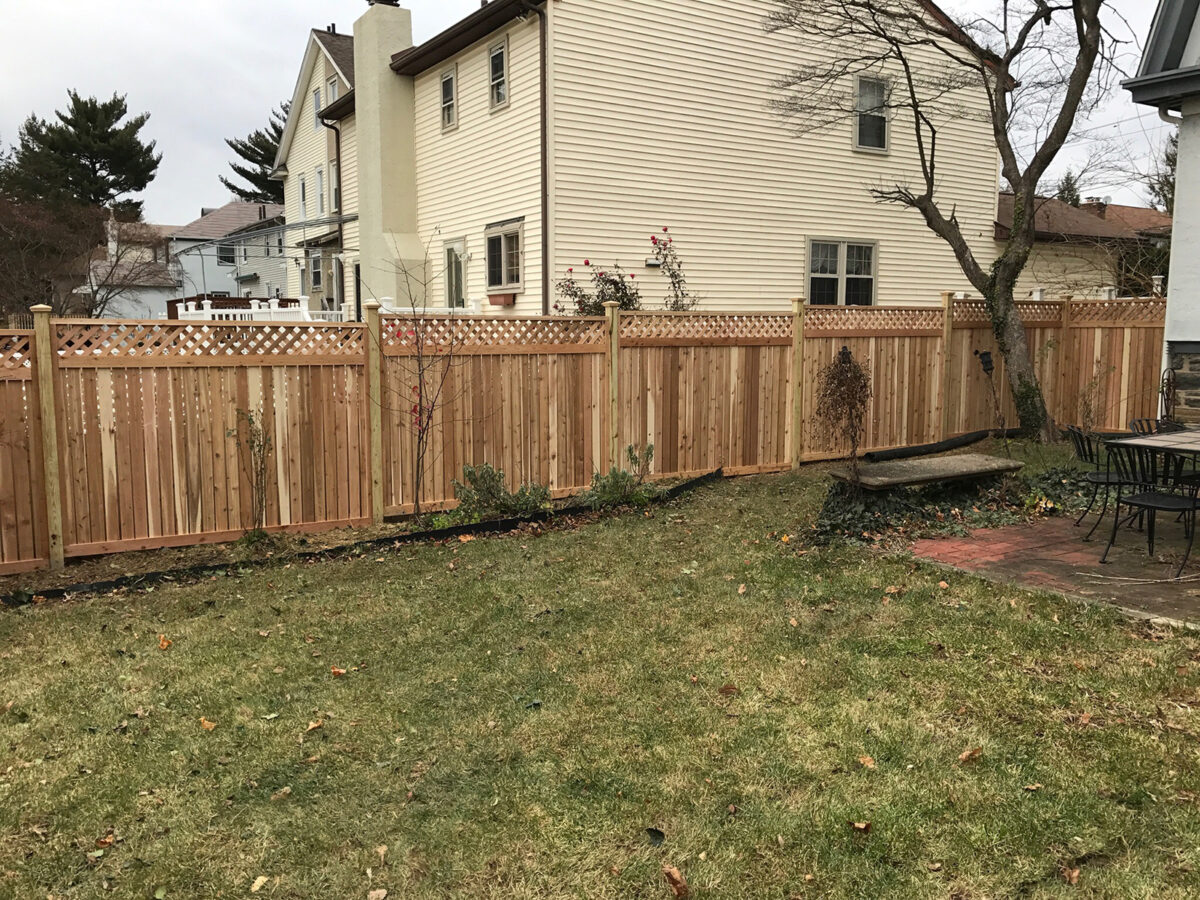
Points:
(612, 311)
(947, 359)
(374, 364)
(43, 373)
(797, 382)
(1064, 373)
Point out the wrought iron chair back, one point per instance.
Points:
(1148, 469)
(1086, 449)
(1144, 426)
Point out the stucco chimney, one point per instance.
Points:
(384, 121)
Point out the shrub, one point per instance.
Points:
(486, 496)
(608, 284)
(843, 392)
(679, 297)
(621, 487)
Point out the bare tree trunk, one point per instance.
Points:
(1032, 413)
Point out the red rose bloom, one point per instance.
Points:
(587, 262)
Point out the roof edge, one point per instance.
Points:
(459, 36)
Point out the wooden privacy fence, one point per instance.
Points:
(120, 435)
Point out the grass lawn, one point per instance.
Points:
(516, 712)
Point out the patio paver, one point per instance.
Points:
(1050, 554)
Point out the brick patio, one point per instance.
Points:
(1050, 554)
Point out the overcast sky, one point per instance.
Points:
(213, 69)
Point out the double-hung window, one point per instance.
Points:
(455, 259)
(315, 272)
(841, 273)
(303, 198)
(317, 110)
(449, 99)
(331, 91)
(871, 120)
(335, 186)
(505, 256)
(225, 255)
(498, 72)
(320, 192)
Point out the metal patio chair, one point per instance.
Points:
(1089, 451)
(1153, 481)
(1144, 426)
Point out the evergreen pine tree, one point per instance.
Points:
(1068, 189)
(258, 149)
(1162, 179)
(91, 154)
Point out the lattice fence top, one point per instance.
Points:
(403, 335)
(698, 328)
(233, 343)
(872, 320)
(16, 353)
(1151, 311)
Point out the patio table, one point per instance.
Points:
(1184, 443)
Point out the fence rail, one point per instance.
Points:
(147, 421)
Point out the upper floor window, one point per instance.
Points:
(320, 192)
(841, 273)
(335, 185)
(449, 99)
(225, 255)
(498, 70)
(331, 91)
(315, 271)
(504, 256)
(279, 244)
(317, 110)
(303, 198)
(245, 252)
(455, 259)
(871, 121)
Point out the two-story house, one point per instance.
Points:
(481, 165)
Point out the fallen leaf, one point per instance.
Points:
(787, 539)
(313, 726)
(258, 884)
(337, 673)
(1033, 787)
(381, 852)
(861, 827)
(733, 810)
(676, 882)
(163, 643)
(793, 622)
(729, 690)
(1070, 876)
(207, 725)
(377, 894)
(283, 793)
(970, 755)
(1085, 718)
(891, 589)
(264, 634)
(935, 867)
(741, 589)
(867, 762)
(105, 841)
(466, 538)
(160, 893)
(943, 585)
(269, 716)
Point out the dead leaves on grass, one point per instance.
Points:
(163, 643)
(866, 762)
(971, 755)
(676, 882)
(207, 725)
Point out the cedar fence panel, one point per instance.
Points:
(525, 395)
(155, 442)
(23, 534)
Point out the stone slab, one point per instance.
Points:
(885, 476)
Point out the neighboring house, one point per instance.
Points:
(208, 265)
(130, 277)
(261, 265)
(1092, 251)
(1169, 80)
(317, 164)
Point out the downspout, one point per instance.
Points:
(545, 138)
(340, 263)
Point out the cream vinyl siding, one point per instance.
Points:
(349, 202)
(661, 117)
(309, 151)
(1077, 270)
(485, 170)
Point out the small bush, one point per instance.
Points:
(621, 487)
(486, 496)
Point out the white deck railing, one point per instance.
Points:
(260, 311)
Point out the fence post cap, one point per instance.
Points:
(372, 304)
(612, 304)
(41, 308)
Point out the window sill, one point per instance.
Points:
(872, 151)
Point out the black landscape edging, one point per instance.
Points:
(963, 440)
(196, 573)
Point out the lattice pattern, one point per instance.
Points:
(149, 341)
(881, 319)
(724, 327)
(402, 333)
(16, 350)
(1149, 311)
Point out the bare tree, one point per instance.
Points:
(44, 252)
(1039, 65)
(135, 256)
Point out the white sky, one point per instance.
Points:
(211, 69)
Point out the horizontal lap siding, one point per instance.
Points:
(661, 117)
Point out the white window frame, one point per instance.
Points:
(335, 187)
(884, 113)
(320, 180)
(316, 274)
(245, 252)
(316, 95)
(303, 198)
(505, 230)
(331, 90)
(279, 244)
(460, 247)
(501, 46)
(450, 75)
(842, 244)
(226, 255)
